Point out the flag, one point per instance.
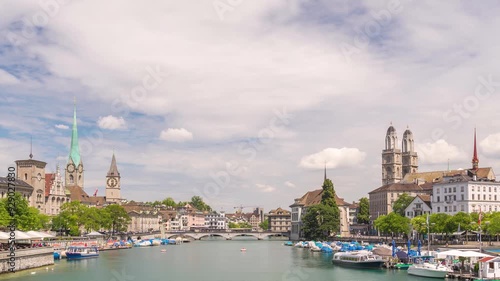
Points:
(95, 193)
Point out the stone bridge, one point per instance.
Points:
(228, 235)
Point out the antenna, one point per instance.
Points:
(31, 148)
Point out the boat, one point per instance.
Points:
(358, 259)
(57, 255)
(81, 252)
(401, 265)
(426, 267)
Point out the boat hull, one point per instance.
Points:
(427, 272)
(361, 264)
(77, 256)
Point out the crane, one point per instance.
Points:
(241, 207)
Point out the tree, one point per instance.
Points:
(24, 217)
(328, 199)
(419, 224)
(118, 217)
(320, 221)
(438, 223)
(364, 211)
(402, 203)
(71, 218)
(264, 225)
(169, 202)
(393, 223)
(198, 203)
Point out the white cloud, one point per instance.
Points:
(7, 79)
(176, 135)
(439, 152)
(334, 158)
(111, 122)
(491, 145)
(289, 184)
(265, 187)
(62, 126)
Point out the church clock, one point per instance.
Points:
(112, 182)
(80, 168)
(71, 168)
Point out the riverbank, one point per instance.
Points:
(26, 259)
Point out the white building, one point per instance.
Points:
(216, 221)
(420, 205)
(465, 194)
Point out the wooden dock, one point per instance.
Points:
(462, 276)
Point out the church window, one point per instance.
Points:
(71, 179)
(25, 176)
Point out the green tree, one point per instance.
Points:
(393, 223)
(118, 217)
(169, 202)
(71, 218)
(5, 217)
(438, 223)
(232, 225)
(419, 224)
(320, 221)
(198, 203)
(264, 225)
(364, 211)
(402, 203)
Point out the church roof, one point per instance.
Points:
(74, 153)
(113, 169)
(437, 176)
(314, 198)
(402, 187)
(78, 194)
(390, 130)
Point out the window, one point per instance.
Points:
(462, 189)
(71, 179)
(462, 197)
(454, 189)
(445, 190)
(449, 190)
(25, 176)
(462, 208)
(472, 188)
(489, 197)
(489, 189)
(437, 190)
(446, 208)
(484, 188)
(484, 197)
(472, 196)
(439, 209)
(437, 199)
(454, 208)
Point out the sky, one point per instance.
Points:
(243, 102)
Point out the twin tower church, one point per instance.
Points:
(50, 191)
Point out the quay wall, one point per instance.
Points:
(27, 258)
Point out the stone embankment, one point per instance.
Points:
(26, 259)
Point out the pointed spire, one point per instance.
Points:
(31, 148)
(475, 160)
(74, 153)
(113, 169)
(325, 170)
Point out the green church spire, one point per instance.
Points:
(74, 153)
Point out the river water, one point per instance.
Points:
(216, 260)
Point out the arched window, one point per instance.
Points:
(79, 178)
(71, 179)
(25, 176)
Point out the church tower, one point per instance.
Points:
(33, 173)
(409, 156)
(391, 158)
(475, 160)
(113, 183)
(74, 169)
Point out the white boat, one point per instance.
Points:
(78, 252)
(434, 270)
(358, 259)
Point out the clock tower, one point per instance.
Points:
(74, 168)
(113, 183)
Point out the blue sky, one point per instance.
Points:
(243, 103)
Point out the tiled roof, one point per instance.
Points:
(49, 179)
(78, 194)
(19, 183)
(426, 198)
(279, 211)
(399, 187)
(437, 176)
(314, 198)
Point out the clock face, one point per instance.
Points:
(71, 168)
(80, 168)
(112, 182)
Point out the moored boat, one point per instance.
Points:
(358, 259)
(79, 252)
(428, 270)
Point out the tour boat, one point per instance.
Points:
(358, 259)
(434, 270)
(80, 252)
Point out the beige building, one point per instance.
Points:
(383, 198)
(397, 163)
(299, 208)
(143, 218)
(55, 193)
(33, 173)
(279, 220)
(21, 187)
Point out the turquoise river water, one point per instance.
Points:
(216, 260)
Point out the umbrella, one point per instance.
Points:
(409, 246)
(402, 256)
(419, 247)
(19, 235)
(4, 236)
(393, 248)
